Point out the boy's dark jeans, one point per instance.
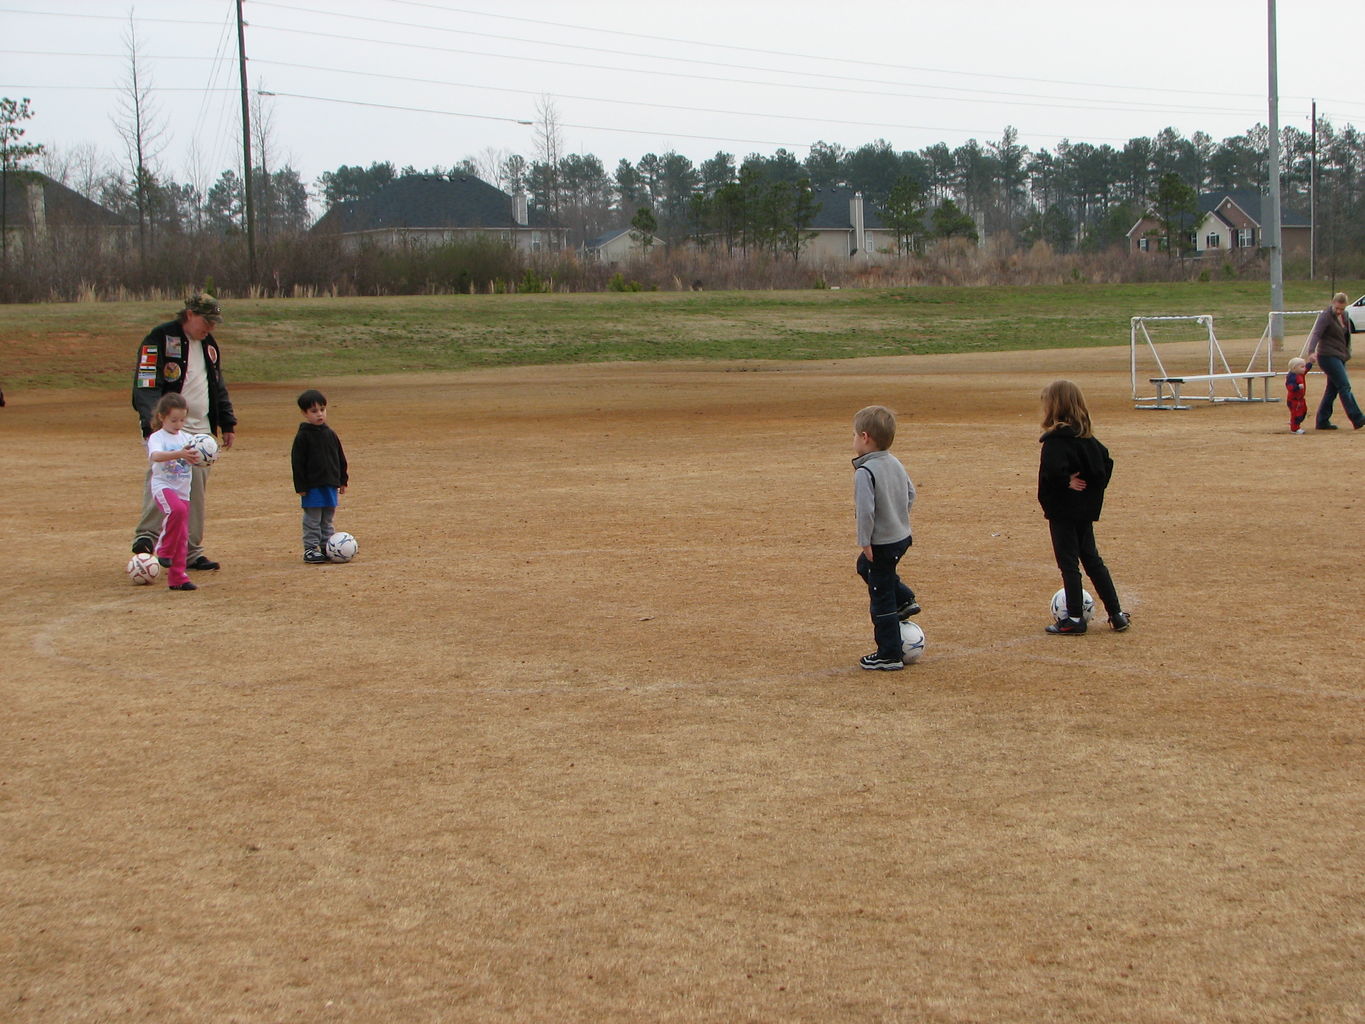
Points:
(886, 593)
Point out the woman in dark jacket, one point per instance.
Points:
(1329, 345)
(1072, 476)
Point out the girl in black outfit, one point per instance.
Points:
(1072, 476)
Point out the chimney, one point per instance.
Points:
(855, 216)
(37, 209)
(519, 209)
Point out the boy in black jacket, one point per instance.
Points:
(319, 474)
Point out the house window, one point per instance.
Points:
(535, 241)
(1142, 244)
(1213, 241)
(1244, 238)
(1163, 244)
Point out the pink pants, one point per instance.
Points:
(175, 534)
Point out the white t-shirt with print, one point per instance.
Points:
(174, 474)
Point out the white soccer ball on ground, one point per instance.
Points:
(207, 448)
(143, 569)
(1059, 611)
(341, 547)
(912, 642)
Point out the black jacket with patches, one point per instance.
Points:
(162, 359)
(1063, 454)
(318, 458)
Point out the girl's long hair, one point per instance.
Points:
(169, 401)
(1064, 405)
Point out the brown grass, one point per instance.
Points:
(579, 735)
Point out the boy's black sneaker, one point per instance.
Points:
(1120, 622)
(875, 662)
(143, 546)
(183, 586)
(1067, 627)
(315, 557)
(204, 563)
(908, 609)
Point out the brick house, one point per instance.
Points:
(1227, 222)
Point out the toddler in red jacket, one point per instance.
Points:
(1297, 399)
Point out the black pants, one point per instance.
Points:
(886, 591)
(1073, 545)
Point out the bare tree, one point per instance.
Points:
(262, 144)
(549, 139)
(142, 129)
(490, 166)
(81, 168)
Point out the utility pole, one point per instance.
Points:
(246, 150)
(1276, 250)
(1313, 200)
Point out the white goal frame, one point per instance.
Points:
(1137, 326)
(1267, 339)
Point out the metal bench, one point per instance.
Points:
(1174, 384)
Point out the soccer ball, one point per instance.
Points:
(143, 568)
(341, 547)
(207, 448)
(1059, 606)
(912, 642)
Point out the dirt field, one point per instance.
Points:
(580, 735)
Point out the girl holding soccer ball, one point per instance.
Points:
(170, 448)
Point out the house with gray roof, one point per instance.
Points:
(847, 227)
(39, 211)
(426, 210)
(1227, 222)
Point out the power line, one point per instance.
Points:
(778, 53)
(994, 95)
(1051, 101)
(101, 17)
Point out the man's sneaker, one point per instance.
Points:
(1067, 627)
(875, 662)
(1120, 622)
(908, 609)
(203, 562)
(143, 546)
(187, 585)
(314, 556)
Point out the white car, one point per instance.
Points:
(1356, 311)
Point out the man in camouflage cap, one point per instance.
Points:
(183, 356)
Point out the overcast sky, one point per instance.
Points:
(429, 82)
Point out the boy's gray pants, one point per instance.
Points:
(317, 527)
(149, 525)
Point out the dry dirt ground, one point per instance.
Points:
(580, 736)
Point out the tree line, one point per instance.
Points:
(1076, 197)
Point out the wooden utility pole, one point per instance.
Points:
(246, 151)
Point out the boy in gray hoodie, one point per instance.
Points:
(882, 496)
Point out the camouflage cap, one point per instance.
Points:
(204, 305)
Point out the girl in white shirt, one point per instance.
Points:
(168, 448)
